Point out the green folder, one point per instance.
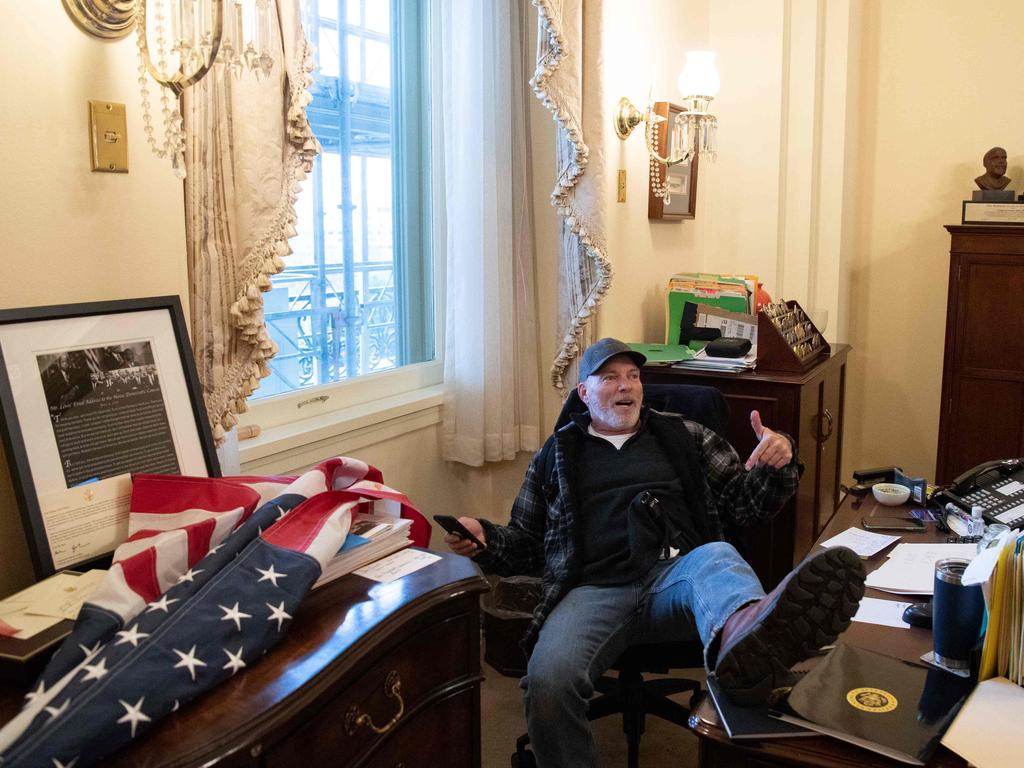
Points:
(663, 354)
(733, 301)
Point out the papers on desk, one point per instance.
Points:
(662, 354)
(370, 538)
(985, 731)
(702, 362)
(42, 605)
(910, 569)
(887, 613)
(397, 565)
(864, 543)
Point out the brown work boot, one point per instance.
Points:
(810, 608)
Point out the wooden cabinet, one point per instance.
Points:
(809, 407)
(982, 408)
(405, 654)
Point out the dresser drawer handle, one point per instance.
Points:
(393, 690)
(822, 435)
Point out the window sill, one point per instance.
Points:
(287, 447)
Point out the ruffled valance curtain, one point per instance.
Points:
(568, 81)
(491, 373)
(249, 146)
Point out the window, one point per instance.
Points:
(356, 295)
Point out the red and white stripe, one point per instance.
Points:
(174, 521)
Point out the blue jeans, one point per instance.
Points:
(680, 599)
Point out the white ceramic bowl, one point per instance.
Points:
(890, 494)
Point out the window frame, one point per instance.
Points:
(417, 256)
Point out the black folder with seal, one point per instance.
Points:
(887, 705)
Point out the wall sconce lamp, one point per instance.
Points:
(202, 34)
(693, 128)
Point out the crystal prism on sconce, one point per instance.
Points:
(692, 130)
(179, 41)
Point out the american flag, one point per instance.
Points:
(208, 580)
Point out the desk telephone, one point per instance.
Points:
(995, 486)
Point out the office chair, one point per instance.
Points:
(629, 693)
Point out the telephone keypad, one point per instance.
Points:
(1003, 501)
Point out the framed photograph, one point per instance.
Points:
(681, 179)
(91, 393)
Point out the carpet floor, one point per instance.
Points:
(502, 722)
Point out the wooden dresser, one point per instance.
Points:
(982, 408)
(405, 654)
(808, 406)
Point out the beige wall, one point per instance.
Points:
(941, 84)
(849, 133)
(71, 235)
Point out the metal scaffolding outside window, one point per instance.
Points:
(355, 296)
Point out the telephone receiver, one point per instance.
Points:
(968, 481)
(996, 486)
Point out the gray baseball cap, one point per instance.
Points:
(601, 351)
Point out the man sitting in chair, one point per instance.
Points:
(602, 504)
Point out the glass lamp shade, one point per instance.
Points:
(699, 76)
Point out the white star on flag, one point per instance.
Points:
(58, 764)
(90, 651)
(133, 714)
(57, 711)
(131, 636)
(161, 604)
(189, 660)
(277, 613)
(189, 575)
(281, 513)
(235, 662)
(235, 615)
(95, 671)
(270, 575)
(31, 696)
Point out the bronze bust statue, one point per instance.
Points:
(995, 170)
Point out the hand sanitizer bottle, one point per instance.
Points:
(977, 525)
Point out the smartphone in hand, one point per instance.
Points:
(453, 526)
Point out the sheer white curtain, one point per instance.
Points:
(491, 371)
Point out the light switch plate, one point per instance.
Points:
(108, 137)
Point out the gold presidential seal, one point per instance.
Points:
(873, 700)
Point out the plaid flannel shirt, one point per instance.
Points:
(541, 535)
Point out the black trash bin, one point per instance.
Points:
(507, 611)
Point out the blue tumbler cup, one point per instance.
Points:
(958, 612)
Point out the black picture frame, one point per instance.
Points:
(138, 351)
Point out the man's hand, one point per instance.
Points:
(772, 449)
(461, 546)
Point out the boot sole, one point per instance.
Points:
(813, 610)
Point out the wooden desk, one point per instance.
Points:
(809, 406)
(346, 640)
(717, 750)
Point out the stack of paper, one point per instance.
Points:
(722, 291)
(42, 605)
(370, 538)
(1000, 571)
(910, 569)
(702, 362)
